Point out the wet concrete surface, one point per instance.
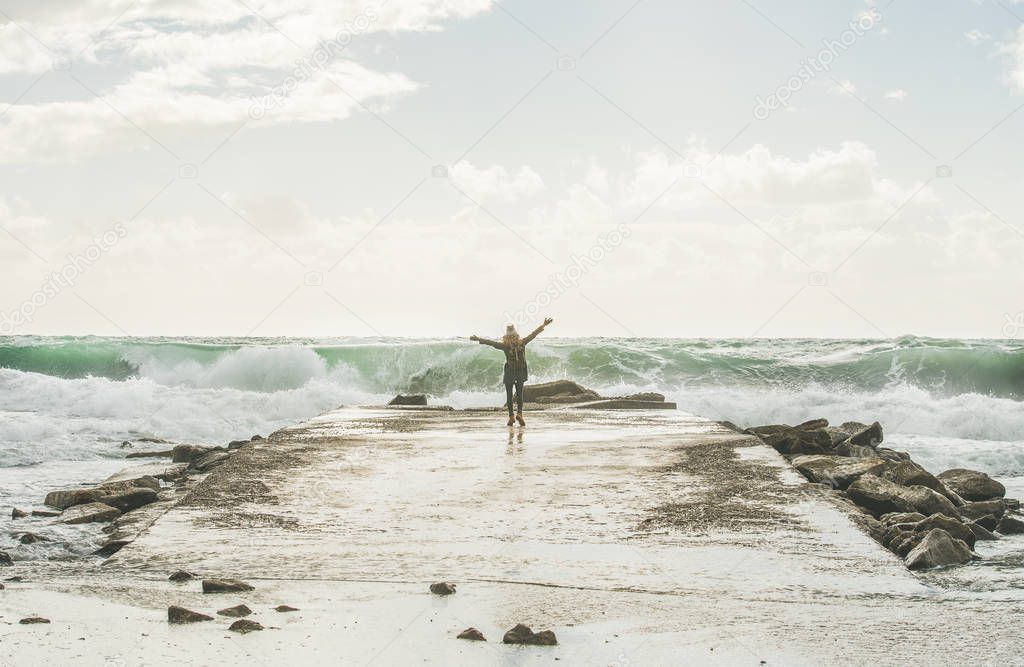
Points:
(639, 538)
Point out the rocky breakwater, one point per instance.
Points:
(928, 520)
(127, 502)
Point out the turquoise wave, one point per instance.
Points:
(944, 367)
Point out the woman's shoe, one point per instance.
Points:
(510, 421)
(519, 418)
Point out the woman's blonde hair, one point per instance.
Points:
(511, 336)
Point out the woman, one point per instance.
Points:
(514, 348)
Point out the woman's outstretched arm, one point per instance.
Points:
(487, 341)
(536, 331)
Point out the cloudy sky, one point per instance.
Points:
(437, 167)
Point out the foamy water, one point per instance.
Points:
(67, 404)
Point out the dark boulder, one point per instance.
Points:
(928, 502)
(181, 575)
(210, 460)
(285, 608)
(838, 436)
(870, 436)
(235, 444)
(1010, 525)
(956, 529)
(522, 634)
(472, 634)
(978, 509)
(33, 620)
(225, 586)
(187, 453)
(988, 522)
(794, 442)
(771, 429)
(65, 498)
(45, 513)
(32, 538)
(18, 514)
(89, 513)
(856, 451)
(5, 559)
(852, 427)
(442, 588)
(879, 496)
(410, 399)
(127, 501)
(235, 612)
(812, 425)
(901, 517)
(937, 549)
(891, 454)
(177, 614)
(972, 485)
(981, 532)
(835, 471)
(245, 626)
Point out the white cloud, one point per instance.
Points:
(832, 177)
(205, 64)
(495, 182)
(977, 36)
(1014, 51)
(898, 95)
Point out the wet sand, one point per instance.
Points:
(637, 537)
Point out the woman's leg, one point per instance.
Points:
(519, 395)
(508, 397)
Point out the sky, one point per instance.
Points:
(441, 167)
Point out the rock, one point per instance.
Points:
(111, 547)
(181, 615)
(937, 549)
(235, 444)
(411, 399)
(161, 471)
(988, 522)
(5, 559)
(472, 634)
(648, 396)
(187, 453)
(127, 501)
(531, 392)
(956, 529)
(870, 436)
(285, 608)
(65, 498)
(1010, 525)
(907, 544)
(181, 575)
(565, 399)
(852, 427)
(31, 538)
(126, 444)
(45, 513)
(891, 454)
(908, 473)
(442, 588)
(624, 404)
(878, 496)
(210, 460)
(1011, 504)
(812, 425)
(521, 634)
(130, 484)
(928, 502)
(978, 509)
(836, 471)
(18, 514)
(793, 442)
(972, 485)
(225, 586)
(846, 448)
(838, 435)
(761, 431)
(164, 453)
(981, 532)
(245, 626)
(901, 517)
(236, 611)
(32, 620)
(89, 513)
(256, 438)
